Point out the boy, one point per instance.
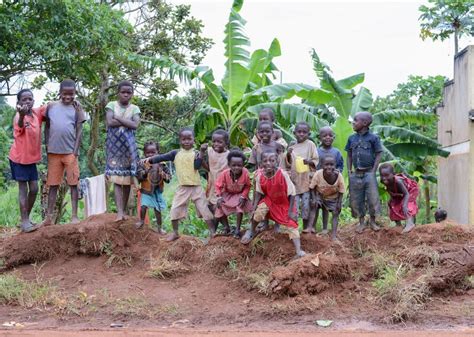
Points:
(301, 159)
(327, 188)
(274, 199)
(187, 163)
(364, 152)
(63, 139)
(326, 137)
(403, 193)
(266, 114)
(265, 133)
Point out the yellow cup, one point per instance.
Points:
(300, 166)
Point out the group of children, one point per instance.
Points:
(289, 182)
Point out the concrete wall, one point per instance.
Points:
(456, 134)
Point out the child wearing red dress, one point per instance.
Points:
(403, 193)
(232, 191)
(274, 199)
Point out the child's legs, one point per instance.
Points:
(158, 218)
(259, 215)
(199, 199)
(304, 206)
(118, 194)
(179, 208)
(23, 202)
(357, 195)
(239, 221)
(32, 192)
(143, 210)
(74, 202)
(335, 222)
(372, 194)
(325, 218)
(294, 236)
(55, 177)
(71, 166)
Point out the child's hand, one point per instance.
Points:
(307, 161)
(22, 109)
(77, 106)
(204, 147)
(145, 162)
(293, 215)
(242, 201)
(219, 202)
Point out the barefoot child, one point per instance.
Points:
(301, 158)
(215, 164)
(274, 199)
(25, 152)
(327, 188)
(122, 119)
(187, 163)
(364, 152)
(63, 140)
(232, 191)
(152, 178)
(265, 133)
(403, 193)
(266, 114)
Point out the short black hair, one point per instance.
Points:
(67, 83)
(21, 92)
(187, 128)
(326, 128)
(387, 166)
(302, 123)
(269, 151)
(268, 111)
(327, 156)
(124, 83)
(236, 153)
(223, 133)
(366, 116)
(262, 123)
(150, 143)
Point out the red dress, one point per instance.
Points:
(275, 191)
(231, 190)
(396, 202)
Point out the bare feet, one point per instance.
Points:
(120, 217)
(360, 227)
(408, 227)
(159, 231)
(139, 224)
(173, 236)
(47, 221)
(374, 226)
(75, 220)
(27, 227)
(313, 230)
(324, 232)
(306, 231)
(299, 254)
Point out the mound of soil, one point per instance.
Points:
(243, 282)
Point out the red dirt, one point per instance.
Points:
(100, 271)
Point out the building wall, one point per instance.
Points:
(456, 134)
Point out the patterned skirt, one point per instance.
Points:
(122, 155)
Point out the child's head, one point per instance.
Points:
(326, 136)
(265, 131)
(67, 91)
(362, 120)
(266, 114)
(387, 174)
(151, 148)
(269, 161)
(302, 131)
(236, 161)
(125, 92)
(220, 140)
(186, 138)
(328, 163)
(25, 97)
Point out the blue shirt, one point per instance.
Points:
(332, 151)
(364, 147)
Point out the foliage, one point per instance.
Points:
(443, 18)
(14, 290)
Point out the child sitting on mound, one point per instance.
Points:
(232, 191)
(274, 199)
(152, 178)
(403, 193)
(187, 162)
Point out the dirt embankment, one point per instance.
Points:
(386, 276)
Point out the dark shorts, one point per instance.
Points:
(22, 172)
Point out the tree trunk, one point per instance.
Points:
(95, 123)
(426, 188)
(456, 42)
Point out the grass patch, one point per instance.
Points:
(258, 281)
(106, 248)
(164, 268)
(134, 307)
(29, 294)
(389, 278)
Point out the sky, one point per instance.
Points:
(378, 38)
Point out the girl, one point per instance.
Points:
(122, 120)
(187, 163)
(403, 193)
(152, 178)
(25, 152)
(232, 191)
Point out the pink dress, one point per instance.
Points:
(231, 190)
(395, 204)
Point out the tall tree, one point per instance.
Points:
(443, 18)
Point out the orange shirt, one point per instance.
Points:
(26, 147)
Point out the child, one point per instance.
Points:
(63, 140)
(326, 137)
(403, 193)
(215, 164)
(152, 178)
(122, 119)
(274, 199)
(232, 191)
(187, 163)
(265, 133)
(327, 188)
(266, 114)
(301, 158)
(25, 152)
(364, 152)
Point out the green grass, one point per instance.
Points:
(16, 291)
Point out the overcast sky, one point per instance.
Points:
(379, 38)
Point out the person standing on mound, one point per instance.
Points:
(274, 199)
(403, 193)
(122, 120)
(25, 152)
